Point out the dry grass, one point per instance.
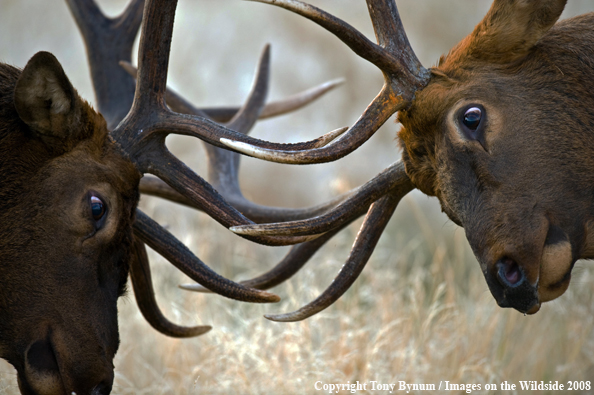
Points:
(420, 312)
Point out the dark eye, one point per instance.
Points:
(97, 208)
(472, 123)
(472, 118)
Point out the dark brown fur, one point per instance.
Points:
(61, 278)
(526, 195)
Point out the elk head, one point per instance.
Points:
(499, 131)
(67, 208)
(501, 135)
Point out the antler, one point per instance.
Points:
(374, 224)
(403, 76)
(142, 283)
(109, 41)
(223, 165)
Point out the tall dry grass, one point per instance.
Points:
(420, 312)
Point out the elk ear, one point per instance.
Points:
(511, 28)
(46, 101)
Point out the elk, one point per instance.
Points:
(70, 232)
(499, 131)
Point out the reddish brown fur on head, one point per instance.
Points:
(62, 269)
(521, 182)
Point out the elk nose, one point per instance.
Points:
(512, 288)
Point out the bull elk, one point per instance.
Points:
(70, 232)
(499, 131)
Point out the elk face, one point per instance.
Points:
(502, 136)
(67, 207)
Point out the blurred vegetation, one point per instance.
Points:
(420, 312)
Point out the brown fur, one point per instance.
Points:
(533, 177)
(60, 277)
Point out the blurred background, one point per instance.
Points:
(420, 312)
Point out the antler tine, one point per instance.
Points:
(248, 114)
(295, 101)
(297, 256)
(223, 165)
(374, 224)
(140, 274)
(108, 41)
(375, 115)
(403, 74)
(164, 243)
(224, 114)
(391, 36)
(392, 177)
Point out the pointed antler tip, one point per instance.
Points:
(203, 329)
(272, 298)
(239, 230)
(280, 318)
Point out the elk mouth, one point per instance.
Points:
(525, 288)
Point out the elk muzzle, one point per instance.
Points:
(526, 274)
(49, 370)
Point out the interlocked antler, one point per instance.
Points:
(223, 165)
(403, 76)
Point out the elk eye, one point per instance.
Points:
(472, 118)
(472, 121)
(97, 208)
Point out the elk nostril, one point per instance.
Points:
(509, 273)
(41, 357)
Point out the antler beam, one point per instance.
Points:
(403, 75)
